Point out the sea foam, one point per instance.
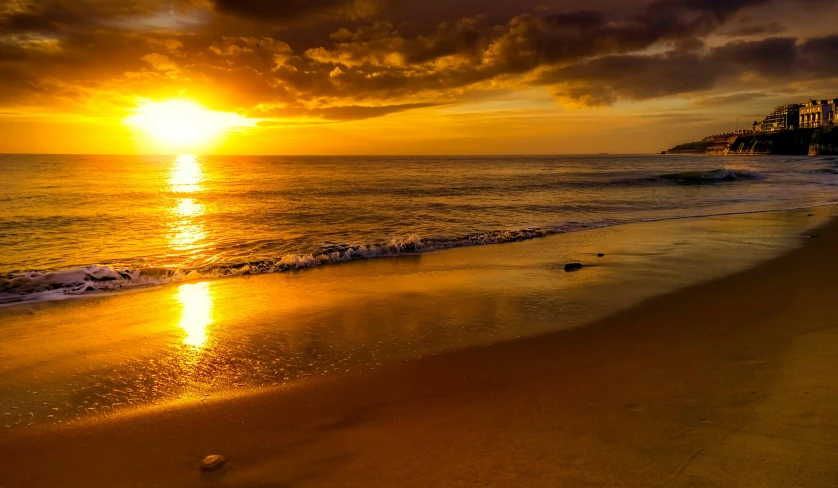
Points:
(39, 286)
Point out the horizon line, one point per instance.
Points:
(332, 155)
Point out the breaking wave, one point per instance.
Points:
(698, 177)
(36, 286)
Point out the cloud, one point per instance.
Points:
(818, 55)
(726, 100)
(294, 9)
(160, 62)
(341, 113)
(747, 30)
(356, 59)
(768, 57)
(607, 80)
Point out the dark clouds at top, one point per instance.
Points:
(352, 59)
(288, 10)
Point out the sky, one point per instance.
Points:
(402, 76)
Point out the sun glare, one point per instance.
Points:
(197, 312)
(182, 123)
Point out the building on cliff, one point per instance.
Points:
(818, 113)
(784, 117)
(795, 130)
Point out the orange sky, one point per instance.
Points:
(408, 77)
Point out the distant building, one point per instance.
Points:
(784, 117)
(818, 113)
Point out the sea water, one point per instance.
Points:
(72, 225)
(92, 227)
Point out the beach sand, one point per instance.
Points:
(730, 383)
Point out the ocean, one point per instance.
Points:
(72, 225)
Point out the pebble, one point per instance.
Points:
(211, 462)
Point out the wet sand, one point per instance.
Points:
(728, 383)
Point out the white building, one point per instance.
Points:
(818, 113)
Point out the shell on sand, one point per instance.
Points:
(211, 462)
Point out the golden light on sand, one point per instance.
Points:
(180, 122)
(197, 312)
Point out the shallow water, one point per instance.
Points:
(156, 219)
(91, 357)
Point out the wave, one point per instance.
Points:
(698, 177)
(36, 286)
(58, 285)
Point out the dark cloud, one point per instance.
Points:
(689, 44)
(717, 8)
(577, 18)
(747, 30)
(819, 56)
(727, 100)
(462, 38)
(356, 59)
(56, 16)
(294, 9)
(37, 17)
(607, 80)
(768, 57)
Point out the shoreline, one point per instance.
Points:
(216, 338)
(727, 383)
(309, 261)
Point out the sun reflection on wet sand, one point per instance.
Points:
(186, 235)
(197, 312)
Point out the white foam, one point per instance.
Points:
(35, 286)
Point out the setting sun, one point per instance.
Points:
(182, 122)
(526, 243)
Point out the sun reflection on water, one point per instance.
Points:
(186, 237)
(187, 207)
(187, 174)
(187, 233)
(197, 312)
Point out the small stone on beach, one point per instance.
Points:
(211, 462)
(572, 267)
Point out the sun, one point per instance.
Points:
(180, 122)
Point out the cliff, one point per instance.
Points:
(700, 147)
(824, 142)
(788, 143)
(800, 142)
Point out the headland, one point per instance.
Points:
(790, 130)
